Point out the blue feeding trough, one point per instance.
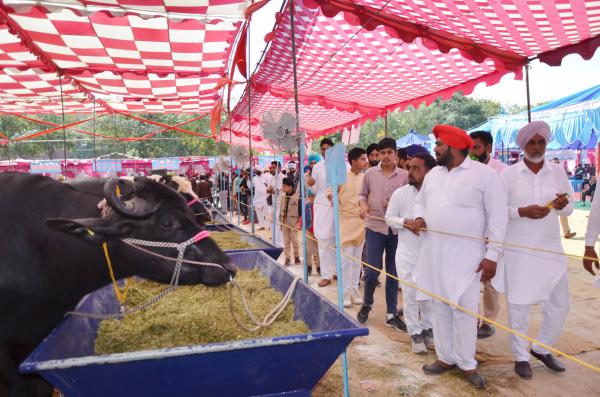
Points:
(282, 366)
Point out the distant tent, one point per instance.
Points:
(574, 120)
(412, 138)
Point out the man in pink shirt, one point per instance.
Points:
(378, 185)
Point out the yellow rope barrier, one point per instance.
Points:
(464, 310)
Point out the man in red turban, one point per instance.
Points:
(467, 198)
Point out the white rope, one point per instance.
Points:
(269, 318)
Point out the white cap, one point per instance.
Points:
(291, 165)
(259, 168)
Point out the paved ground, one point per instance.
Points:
(382, 361)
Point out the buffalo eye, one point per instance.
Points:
(168, 223)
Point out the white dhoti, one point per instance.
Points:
(262, 212)
(327, 257)
(417, 314)
(350, 267)
(554, 314)
(455, 332)
(277, 236)
(223, 200)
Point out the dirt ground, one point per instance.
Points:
(381, 363)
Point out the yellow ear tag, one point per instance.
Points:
(90, 232)
(118, 191)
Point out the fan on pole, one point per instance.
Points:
(240, 156)
(280, 130)
(222, 164)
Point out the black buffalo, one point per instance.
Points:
(49, 260)
(178, 183)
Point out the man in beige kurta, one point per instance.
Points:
(352, 226)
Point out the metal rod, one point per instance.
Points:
(250, 206)
(338, 260)
(230, 187)
(95, 169)
(301, 142)
(528, 94)
(62, 105)
(386, 123)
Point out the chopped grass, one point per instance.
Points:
(194, 315)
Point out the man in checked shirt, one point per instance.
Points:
(378, 185)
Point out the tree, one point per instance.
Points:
(459, 110)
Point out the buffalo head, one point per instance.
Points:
(184, 187)
(148, 210)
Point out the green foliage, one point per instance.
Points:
(169, 143)
(459, 110)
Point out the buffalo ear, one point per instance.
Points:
(92, 230)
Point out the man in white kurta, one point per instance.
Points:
(467, 198)
(530, 277)
(323, 219)
(260, 183)
(275, 191)
(483, 143)
(417, 314)
(591, 236)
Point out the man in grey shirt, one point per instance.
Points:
(378, 185)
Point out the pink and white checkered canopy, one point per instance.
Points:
(357, 59)
(138, 56)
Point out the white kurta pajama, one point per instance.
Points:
(260, 184)
(417, 314)
(468, 200)
(276, 183)
(530, 277)
(323, 221)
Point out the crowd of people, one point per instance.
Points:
(449, 227)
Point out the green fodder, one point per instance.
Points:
(194, 315)
(230, 240)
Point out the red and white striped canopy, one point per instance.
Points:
(357, 59)
(157, 56)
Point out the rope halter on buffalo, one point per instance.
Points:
(181, 247)
(137, 244)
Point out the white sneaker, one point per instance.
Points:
(418, 345)
(355, 297)
(347, 299)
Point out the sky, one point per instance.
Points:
(545, 82)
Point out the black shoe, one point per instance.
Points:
(475, 379)
(309, 270)
(437, 368)
(363, 314)
(549, 361)
(296, 261)
(485, 331)
(319, 270)
(397, 323)
(523, 369)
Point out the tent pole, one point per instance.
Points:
(301, 143)
(335, 187)
(249, 206)
(62, 105)
(95, 168)
(528, 94)
(386, 123)
(230, 186)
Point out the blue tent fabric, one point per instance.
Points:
(591, 94)
(412, 138)
(571, 125)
